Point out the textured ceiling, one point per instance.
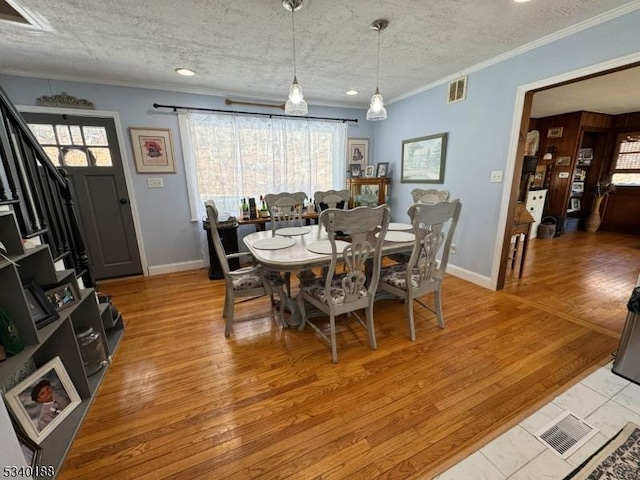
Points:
(243, 49)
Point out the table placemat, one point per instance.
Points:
(273, 243)
(399, 226)
(324, 246)
(395, 236)
(288, 231)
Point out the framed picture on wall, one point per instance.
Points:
(555, 132)
(153, 150)
(358, 151)
(423, 159)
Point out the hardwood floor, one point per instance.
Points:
(182, 402)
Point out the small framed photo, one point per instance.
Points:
(43, 400)
(30, 449)
(42, 312)
(555, 132)
(153, 150)
(355, 169)
(563, 161)
(577, 187)
(62, 296)
(358, 150)
(382, 169)
(575, 204)
(369, 171)
(585, 154)
(423, 159)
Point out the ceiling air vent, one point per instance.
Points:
(565, 434)
(457, 90)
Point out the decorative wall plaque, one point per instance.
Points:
(64, 100)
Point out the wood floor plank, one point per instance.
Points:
(181, 401)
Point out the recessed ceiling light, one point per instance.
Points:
(352, 92)
(185, 71)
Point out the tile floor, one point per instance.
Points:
(605, 400)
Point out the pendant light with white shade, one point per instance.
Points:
(376, 108)
(296, 104)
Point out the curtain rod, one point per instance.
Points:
(175, 108)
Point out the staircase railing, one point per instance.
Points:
(38, 193)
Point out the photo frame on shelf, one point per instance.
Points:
(30, 449)
(42, 312)
(575, 204)
(355, 169)
(382, 169)
(423, 159)
(358, 150)
(555, 132)
(577, 187)
(585, 156)
(369, 171)
(43, 400)
(580, 175)
(62, 296)
(153, 150)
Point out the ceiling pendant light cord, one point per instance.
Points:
(378, 69)
(293, 39)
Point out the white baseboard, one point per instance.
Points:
(480, 280)
(176, 267)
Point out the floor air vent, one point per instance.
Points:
(566, 434)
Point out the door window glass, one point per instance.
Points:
(64, 137)
(70, 140)
(101, 156)
(44, 134)
(95, 136)
(76, 135)
(74, 157)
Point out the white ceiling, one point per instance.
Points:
(242, 49)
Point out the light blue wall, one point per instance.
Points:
(168, 235)
(480, 131)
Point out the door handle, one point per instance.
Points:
(124, 201)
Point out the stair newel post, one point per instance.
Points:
(79, 250)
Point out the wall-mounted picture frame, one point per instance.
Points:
(153, 150)
(575, 204)
(43, 400)
(42, 312)
(369, 171)
(382, 169)
(358, 151)
(62, 296)
(423, 159)
(563, 161)
(577, 187)
(555, 132)
(355, 169)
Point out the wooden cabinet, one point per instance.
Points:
(369, 192)
(57, 339)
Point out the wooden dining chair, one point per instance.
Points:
(433, 227)
(285, 209)
(354, 289)
(429, 195)
(331, 199)
(252, 281)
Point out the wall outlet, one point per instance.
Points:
(496, 176)
(453, 249)
(155, 183)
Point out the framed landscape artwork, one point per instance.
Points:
(423, 159)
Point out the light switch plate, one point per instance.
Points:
(155, 183)
(496, 176)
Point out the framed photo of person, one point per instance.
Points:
(43, 400)
(382, 169)
(62, 296)
(42, 312)
(355, 169)
(369, 171)
(358, 151)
